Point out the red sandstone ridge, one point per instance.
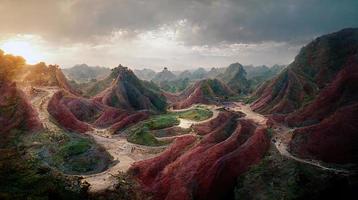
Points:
(63, 115)
(15, 110)
(333, 140)
(129, 119)
(206, 169)
(204, 91)
(317, 94)
(330, 121)
(313, 68)
(210, 126)
(79, 114)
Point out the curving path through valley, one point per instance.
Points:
(123, 152)
(282, 137)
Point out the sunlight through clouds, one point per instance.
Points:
(28, 46)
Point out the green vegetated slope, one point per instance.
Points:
(141, 133)
(24, 176)
(277, 177)
(235, 77)
(174, 86)
(196, 114)
(94, 86)
(129, 92)
(69, 152)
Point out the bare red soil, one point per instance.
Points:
(318, 94)
(202, 92)
(194, 98)
(334, 139)
(63, 115)
(79, 114)
(206, 169)
(130, 119)
(331, 122)
(16, 111)
(314, 67)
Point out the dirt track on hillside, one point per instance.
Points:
(281, 138)
(123, 152)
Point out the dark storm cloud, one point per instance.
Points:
(206, 21)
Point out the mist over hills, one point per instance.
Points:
(235, 132)
(84, 73)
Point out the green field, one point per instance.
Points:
(197, 114)
(143, 136)
(141, 133)
(162, 121)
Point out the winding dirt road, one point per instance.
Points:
(123, 152)
(124, 155)
(40, 103)
(281, 138)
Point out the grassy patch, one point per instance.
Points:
(276, 177)
(25, 177)
(74, 148)
(68, 152)
(162, 121)
(142, 133)
(196, 114)
(143, 136)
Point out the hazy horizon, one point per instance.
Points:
(179, 35)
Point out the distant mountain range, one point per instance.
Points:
(84, 73)
(299, 139)
(92, 80)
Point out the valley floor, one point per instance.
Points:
(124, 153)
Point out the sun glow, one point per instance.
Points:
(24, 46)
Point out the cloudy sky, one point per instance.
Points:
(175, 33)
